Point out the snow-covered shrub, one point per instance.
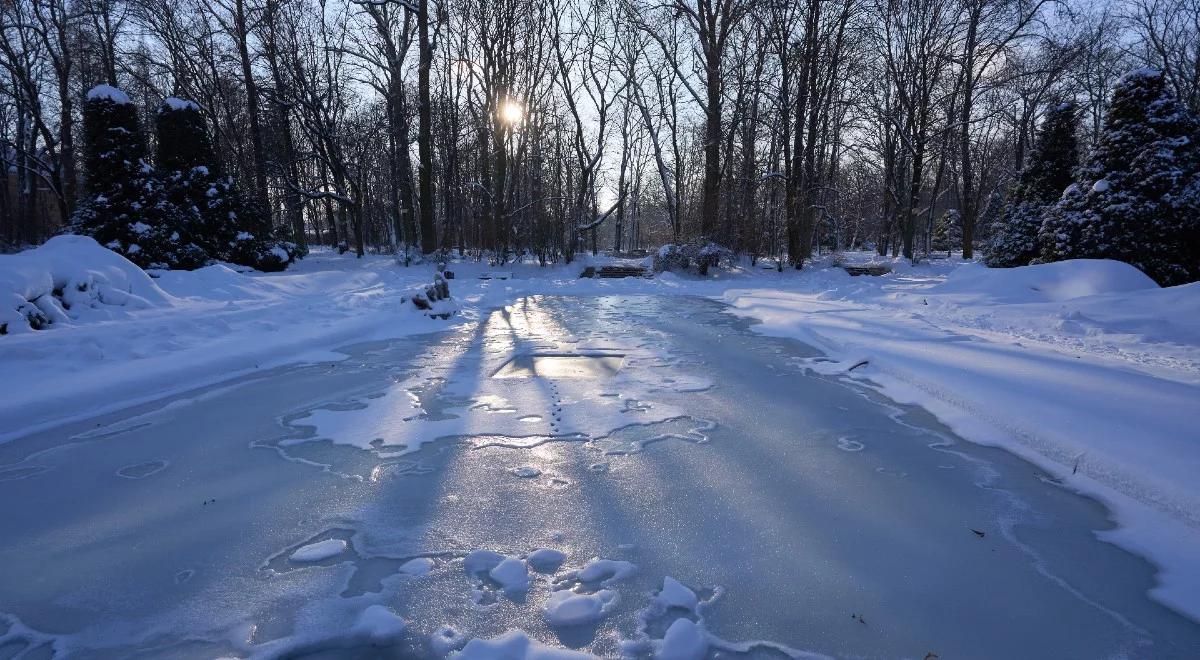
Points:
(67, 279)
(679, 258)
(1137, 197)
(1052, 163)
(670, 258)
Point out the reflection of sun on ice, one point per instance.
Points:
(512, 112)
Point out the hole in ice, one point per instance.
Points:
(562, 365)
(141, 470)
(525, 472)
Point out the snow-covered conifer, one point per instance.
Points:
(128, 208)
(1137, 198)
(1052, 162)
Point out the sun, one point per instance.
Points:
(512, 112)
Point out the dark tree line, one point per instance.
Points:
(502, 128)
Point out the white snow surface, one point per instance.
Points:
(180, 104)
(319, 551)
(514, 645)
(1084, 367)
(108, 92)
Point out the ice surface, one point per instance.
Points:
(562, 366)
(739, 491)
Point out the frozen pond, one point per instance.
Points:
(458, 486)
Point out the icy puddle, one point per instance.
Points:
(562, 366)
(645, 476)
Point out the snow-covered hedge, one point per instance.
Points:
(70, 278)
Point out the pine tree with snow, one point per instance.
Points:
(227, 224)
(1137, 198)
(128, 208)
(1052, 162)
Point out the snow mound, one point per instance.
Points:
(511, 574)
(108, 93)
(565, 608)
(605, 571)
(319, 551)
(480, 561)
(674, 594)
(71, 279)
(546, 560)
(685, 640)
(378, 625)
(515, 645)
(1063, 280)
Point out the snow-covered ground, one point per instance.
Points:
(1088, 369)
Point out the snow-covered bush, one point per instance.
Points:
(670, 258)
(704, 255)
(1052, 162)
(1137, 197)
(68, 279)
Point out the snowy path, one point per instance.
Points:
(713, 478)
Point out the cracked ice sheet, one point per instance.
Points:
(473, 402)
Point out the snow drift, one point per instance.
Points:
(1063, 280)
(71, 279)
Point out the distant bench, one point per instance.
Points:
(875, 269)
(614, 271)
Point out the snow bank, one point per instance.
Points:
(1085, 367)
(71, 279)
(1064, 280)
(565, 608)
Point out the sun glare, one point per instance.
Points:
(512, 112)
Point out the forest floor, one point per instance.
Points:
(1086, 369)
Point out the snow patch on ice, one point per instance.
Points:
(515, 645)
(566, 608)
(319, 551)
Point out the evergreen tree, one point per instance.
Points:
(1052, 163)
(1137, 198)
(225, 223)
(128, 209)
